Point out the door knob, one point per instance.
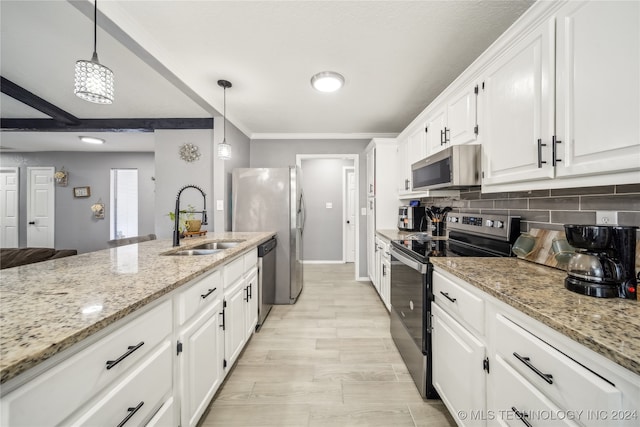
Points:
(348, 222)
(32, 223)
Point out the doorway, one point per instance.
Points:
(41, 205)
(349, 214)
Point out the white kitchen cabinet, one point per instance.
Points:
(251, 315)
(385, 280)
(371, 172)
(403, 169)
(382, 210)
(519, 113)
(65, 388)
(437, 129)
(598, 88)
(377, 275)
(201, 361)
(462, 123)
(457, 358)
(235, 332)
(417, 145)
(563, 102)
(166, 415)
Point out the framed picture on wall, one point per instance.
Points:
(81, 191)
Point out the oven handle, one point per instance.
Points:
(416, 265)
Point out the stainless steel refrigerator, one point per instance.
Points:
(270, 199)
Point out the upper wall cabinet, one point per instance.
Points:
(598, 87)
(518, 101)
(564, 101)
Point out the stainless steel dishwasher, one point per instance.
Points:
(266, 279)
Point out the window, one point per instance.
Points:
(124, 203)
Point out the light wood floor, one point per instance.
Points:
(327, 360)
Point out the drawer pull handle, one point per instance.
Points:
(446, 295)
(131, 413)
(250, 290)
(525, 360)
(131, 349)
(208, 293)
(522, 416)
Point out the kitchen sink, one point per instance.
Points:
(218, 245)
(192, 252)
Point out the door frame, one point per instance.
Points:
(356, 160)
(345, 196)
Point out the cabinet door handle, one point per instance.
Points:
(131, 413)
(251, 290)
(370, 188)
(208, 293)
(522, 416)
(406, 184)
(384, 270)
(446, 295)
(525, 360)
(222, 324)
(131, 349)
(442, 137)
(540, 145)
(554, 150)
(32, 223)
(447, 139)
(246, 294)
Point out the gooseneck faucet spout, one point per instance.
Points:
(176, 225)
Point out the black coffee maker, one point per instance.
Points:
(604, 263)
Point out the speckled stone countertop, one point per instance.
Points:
(49, 306)
(393, 234)
(539, 292)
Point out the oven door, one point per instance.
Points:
(409, 296)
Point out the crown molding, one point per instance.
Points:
(255, 136)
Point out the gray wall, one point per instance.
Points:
(76, 228)
(240, 147)
(173, 173)
(277, 153)
(322, 184)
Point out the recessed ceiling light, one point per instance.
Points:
(327, 81)
(91, 140)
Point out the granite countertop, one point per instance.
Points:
(539, 292)
(393, 234)
(49, 306)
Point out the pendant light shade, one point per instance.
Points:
(224, 149)
(94, 81)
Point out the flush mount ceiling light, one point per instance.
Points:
(91, 140)
(94, 81)
(224, 149)
(327, 81)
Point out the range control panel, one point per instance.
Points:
(497, 226)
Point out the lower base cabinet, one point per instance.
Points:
(457, 367)
(200, 365)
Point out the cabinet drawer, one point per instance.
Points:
(250, 259)
(459, 302)
(58, 392)
(144, 389)
(233, 271)
(514, 393)
(165, 416)
(199, 295)
(569, 384)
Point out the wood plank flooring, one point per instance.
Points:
(327, 360)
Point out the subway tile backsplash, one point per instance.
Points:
(551, 209)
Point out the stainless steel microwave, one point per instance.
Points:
(454, 167)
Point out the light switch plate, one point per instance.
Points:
(329, 205)
(606, 218)
(363, 211)
(219, 205)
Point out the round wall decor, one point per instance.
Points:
(189, 152)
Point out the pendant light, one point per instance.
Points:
(224, 149)
(94, 81)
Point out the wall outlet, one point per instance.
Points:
(606, 218)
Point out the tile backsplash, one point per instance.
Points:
(551, 209)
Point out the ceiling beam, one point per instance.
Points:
(104, 125)
(34, 101)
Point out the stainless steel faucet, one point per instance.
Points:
(176, 226)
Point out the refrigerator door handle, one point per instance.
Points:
(302, 213)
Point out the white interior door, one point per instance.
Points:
(9, 203)
(40, 207)
(350, 216)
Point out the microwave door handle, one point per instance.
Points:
(418, 266)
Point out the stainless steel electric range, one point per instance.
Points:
(469, 234)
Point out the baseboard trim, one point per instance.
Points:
(362, 279)
(323, 262)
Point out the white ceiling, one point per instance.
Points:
(167, 56)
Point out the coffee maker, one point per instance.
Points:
(604, 263)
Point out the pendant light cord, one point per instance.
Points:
(95, 26)
(224, 118)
